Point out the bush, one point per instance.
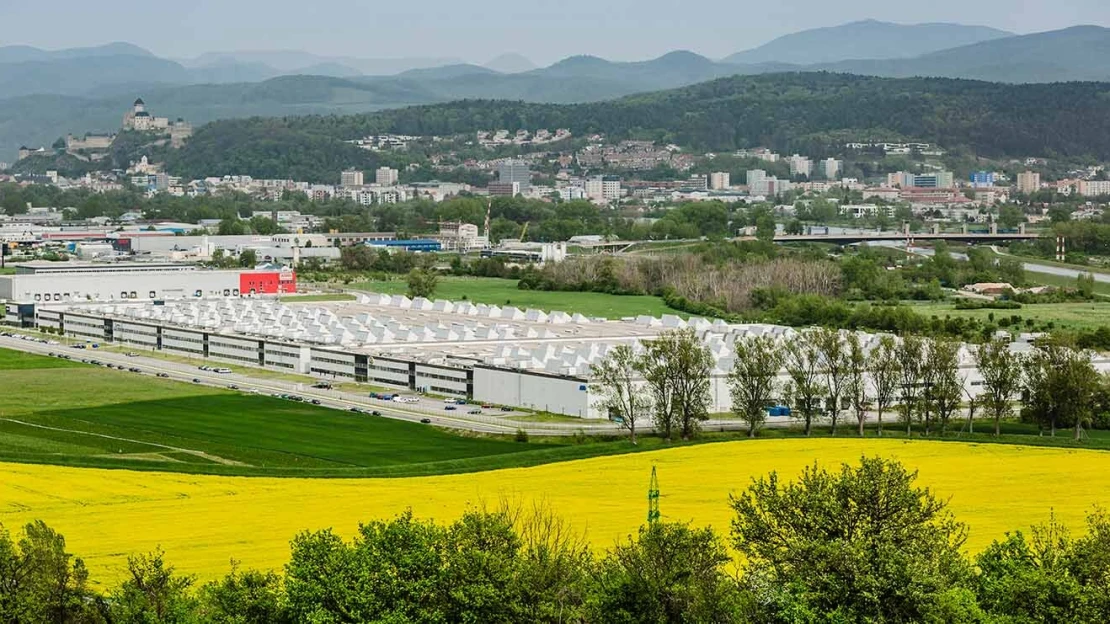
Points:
(521, 436)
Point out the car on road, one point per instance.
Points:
(131, 354)
(506, 408)
(134, 370)
(357, 410)
(426, 421)
(315, 401)
(450, 408)
(222, 371)
(204, 368)
(296, 398)
(487, 406)
(163, 375)
(232, 387)
(375, 413)
(475, 411)
(195, 380)
(322, 385)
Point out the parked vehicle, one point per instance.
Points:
(451, 407)
(163, 375)
(475, 411)
(426, 421)
(375, 413)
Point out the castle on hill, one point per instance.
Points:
(139, 119)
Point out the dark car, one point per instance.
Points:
(232, 387)
(316, 401)
(163, 375)
(475, 411)
(375, 413)
(450, 408)
(134, 370)
(426, 421)
(506, 408)
(195, 380)
(356, 410)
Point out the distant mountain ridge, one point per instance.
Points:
(62, 91)
(866, 39)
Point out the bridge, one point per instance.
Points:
(846, 238)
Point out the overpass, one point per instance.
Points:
(846, 238)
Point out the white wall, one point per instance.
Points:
(558, 395)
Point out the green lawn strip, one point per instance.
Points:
(503, 292)
(1080, 315)
(312, 298)
(267, 432)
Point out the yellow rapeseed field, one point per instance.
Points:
(203, 522)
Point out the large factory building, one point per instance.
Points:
(133, 281)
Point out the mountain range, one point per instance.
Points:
(50, 93)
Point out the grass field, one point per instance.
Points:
(204, 521)
(60, 411)
(315, 298)
(1087, 315)
(502, 292)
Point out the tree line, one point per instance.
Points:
(823, 373)
(863, 543)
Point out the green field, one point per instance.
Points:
(503, 292)
(1086, 315)
(60, 411)
(311, 298)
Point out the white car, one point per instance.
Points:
(223, 371)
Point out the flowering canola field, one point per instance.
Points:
(203, 522)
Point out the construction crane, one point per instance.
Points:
(653, 498)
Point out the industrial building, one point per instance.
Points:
(501, 355)
(74, 282)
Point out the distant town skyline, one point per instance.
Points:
(618, 29)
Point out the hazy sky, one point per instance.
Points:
(480, 29)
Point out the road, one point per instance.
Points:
(425, 409)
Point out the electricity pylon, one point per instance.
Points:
(653, 498)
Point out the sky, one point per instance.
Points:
(478, 30)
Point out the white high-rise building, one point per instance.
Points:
(517, 171)
(800, 165)
(386, 176)
(719, 180)
(831, 167)
(755, 176)
(350, 177)
(1028, 182)
(603, 188)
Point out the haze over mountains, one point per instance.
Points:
(49, 93)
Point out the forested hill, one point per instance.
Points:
(811, 113)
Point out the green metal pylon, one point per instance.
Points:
(653, 498)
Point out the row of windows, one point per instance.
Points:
(171, 347)
(316, 358)
(321, 371)
(270, 362)
(423, 375)
(231, 345)
(237, 358)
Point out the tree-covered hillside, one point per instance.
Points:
(811, 113)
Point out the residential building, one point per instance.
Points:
(831, 168)
(503, 189)
(386, 176)
(515, 172)
(938, 179)
(982, 179)
(1028, 182)
(1092, 188)
(351, 177)
(755, 176)
(801, 166)
(604, 188)
(719, 180)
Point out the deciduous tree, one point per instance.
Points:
(1001, 370)
(805, 388)
(620, 393)
(753, 381)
